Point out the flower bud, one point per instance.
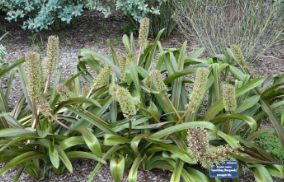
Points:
(229, 99)
(52, 54)
(143, 31)
(125, 100)
(158, 81)
(199, 87)
(33, 67)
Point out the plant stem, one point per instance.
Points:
(59, 122)
(94, 116)
(130, 126)
(45, 90)
(228, 123)
(47, 83)
(138, 57)
(172, 105)
(35, 113)
(148, 113)
(93, 87)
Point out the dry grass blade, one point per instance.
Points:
(216, 24)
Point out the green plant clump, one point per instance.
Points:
(137, 113)
(271, 142)
(39, 15)
(216, 24)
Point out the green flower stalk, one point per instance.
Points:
(229, 99)
(198, 92)
(143, 31)
(143, 34)
(101, 80)
(238, 54)
(199, 88)
(126, 102)
(158, 81)
(52, 57)
(161, 87)
(33, 67)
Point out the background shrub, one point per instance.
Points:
(158, 21)
(271, 142)
(39, 15)
(253, 25)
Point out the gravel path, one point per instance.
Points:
(91, 32)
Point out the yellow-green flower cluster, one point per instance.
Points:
(43, 105)
(148, 81)
(85, 91)
(198, 145)
(103, 78)
(238, 54)
(158, 81)
(34, 72)
(64, 92)
(199, 88)
(125, 100)
(229, 99)
(52, 54)
(143, 31)
(124, 63)
(35, 86)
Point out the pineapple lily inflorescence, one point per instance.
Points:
(158, 81)
(125, 100)
(143, 31)
(52, 54)
(199, 88)
(229, 99)
(198, 145)
(101, 80)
